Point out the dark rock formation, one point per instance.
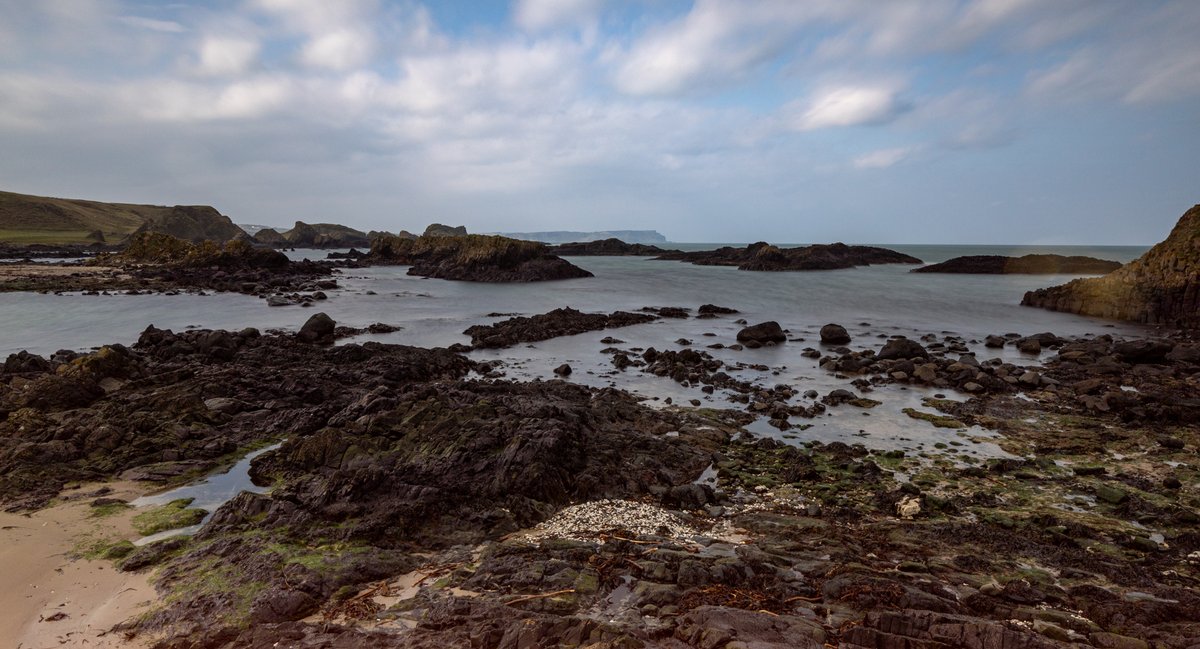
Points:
(834, 334)
(902, 348)
(762, 333)
(324, 235)
(559, 322)
(763, 256)
(103, 413)
(192, 223)
(317, 329)
(439, 230)
(473, 258)
(1160, 287)
(606, 247)
(165, 250)
(269, 237)
(1023, 265)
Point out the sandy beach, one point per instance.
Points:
(48, 599)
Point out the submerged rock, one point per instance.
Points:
(1024, 265)
(765, 257)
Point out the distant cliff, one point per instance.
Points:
(41, 219)
(1160, 287)
(565, 236)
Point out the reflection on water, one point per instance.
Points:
(208, 494)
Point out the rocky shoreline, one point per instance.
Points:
(416, 504)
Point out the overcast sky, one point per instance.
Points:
(981, 121)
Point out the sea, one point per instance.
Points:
(872, 302)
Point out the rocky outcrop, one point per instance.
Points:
(611, 247)
(439, 230)
(766, 257)
(325, 235)
(1160, 287)
(269, 237)
(544, 326)
(1023, 265)
(191, 223)
(473, 258)
(165, 250)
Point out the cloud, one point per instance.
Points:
(883, 158)
(342, 49)
(339, 34)
(226, 56)
(717, 42)
(537, 15)
(168, 26)
(848, 105)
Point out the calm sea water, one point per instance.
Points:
(872, 302)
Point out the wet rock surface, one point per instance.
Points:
(153, 404)
(414, 508)
(559, 322)
(766, 257)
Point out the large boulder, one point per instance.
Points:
(834, 334)
(902, 348)
(762, 333)
(318, 329)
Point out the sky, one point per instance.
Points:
(905, 121)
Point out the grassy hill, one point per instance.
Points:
(28, 219)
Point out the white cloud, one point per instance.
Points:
(883, 158)
(845, 106)
(226, 56)
(536, 15)
(339, 34)
(168, 26)
(342, 49)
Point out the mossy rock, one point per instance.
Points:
(171, 516)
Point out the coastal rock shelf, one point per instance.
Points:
(1160, 287)
(766, 257)
(1023, 265)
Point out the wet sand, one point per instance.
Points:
(48, 599)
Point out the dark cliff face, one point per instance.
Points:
(473, 258)
(1160, 287)
(1023, 265)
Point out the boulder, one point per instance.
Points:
(834, 334)
(902, 348)
(762, 333)
(317, 329)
